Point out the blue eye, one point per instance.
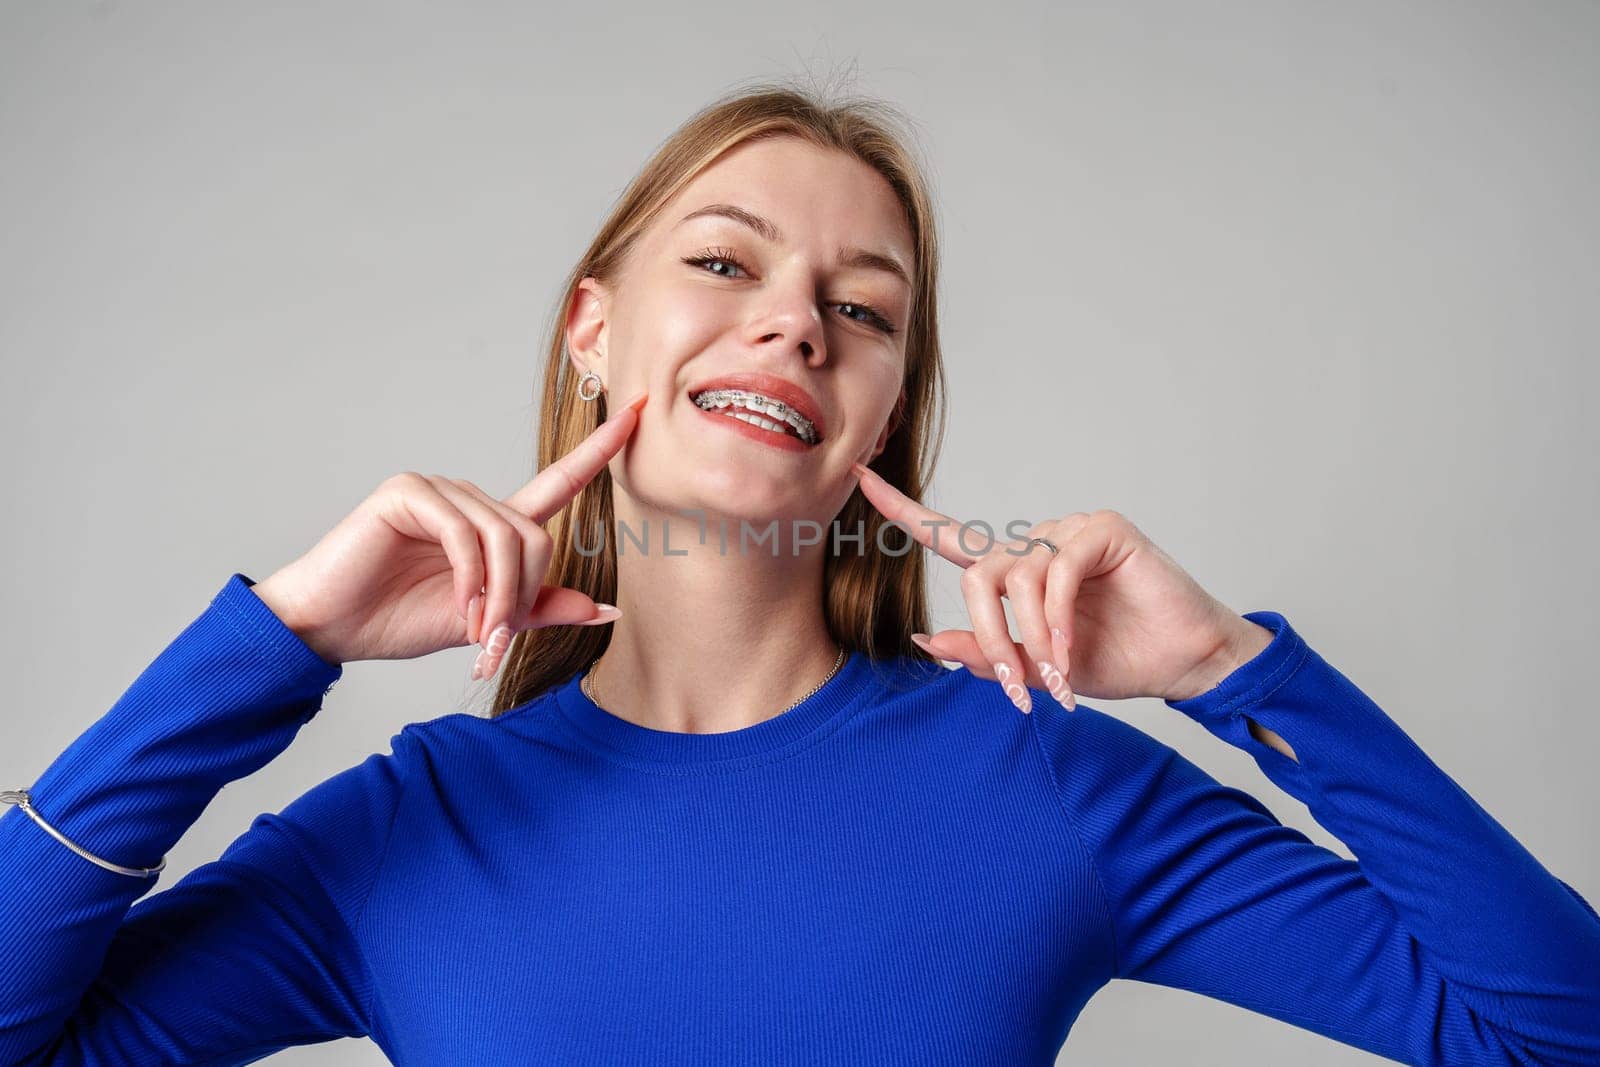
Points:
(713, 257)
(874, 318)
(716, 256)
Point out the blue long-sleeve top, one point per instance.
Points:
(899, 870)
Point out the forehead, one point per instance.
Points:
(810, 193)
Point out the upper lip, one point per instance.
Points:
(768, 385)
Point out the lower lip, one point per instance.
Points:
(756, 433)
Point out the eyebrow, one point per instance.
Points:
(848, 257)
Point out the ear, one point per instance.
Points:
(586, 328)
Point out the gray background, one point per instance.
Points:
(1307, 290)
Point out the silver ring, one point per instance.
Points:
(1054, 551)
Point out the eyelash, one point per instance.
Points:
(876, 318)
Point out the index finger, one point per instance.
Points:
(932, 528)
(554, 487)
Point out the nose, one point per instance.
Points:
(791, 321)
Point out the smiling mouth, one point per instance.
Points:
(759, 410)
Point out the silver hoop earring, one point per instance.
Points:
(583, 391)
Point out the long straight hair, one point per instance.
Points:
(873, 600)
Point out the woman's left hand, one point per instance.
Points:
(1110, 615)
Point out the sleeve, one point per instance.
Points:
(245, 955)
(1444, 942)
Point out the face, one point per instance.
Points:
(772, 273)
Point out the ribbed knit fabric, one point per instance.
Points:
(900, 870)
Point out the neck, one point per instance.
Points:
(713, 639)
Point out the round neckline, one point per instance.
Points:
(594, 724)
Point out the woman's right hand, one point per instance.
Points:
(400, 576)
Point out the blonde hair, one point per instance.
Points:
(872, 600)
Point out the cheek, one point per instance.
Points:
(681, 319)
(870, 404)
(888, 382)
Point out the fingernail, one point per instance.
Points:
(1058, 648)
(604, 613)
(1017, 692)
(858, 469)
(1056, 682)
(499, 641)
(924, 643)
(489, 659)
(638, 400)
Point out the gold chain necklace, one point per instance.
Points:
(587, 684)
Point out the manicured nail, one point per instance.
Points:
(1056, 682)
(858, 469)
(1017, 692)
(923, 642)
(499, 640)
(604, 613)
(1058, 648)
(489, 659)
(637, 401)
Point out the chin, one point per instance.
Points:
(728, 490)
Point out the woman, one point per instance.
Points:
(748, 821)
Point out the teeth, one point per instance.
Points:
(765, 424)
(754, 405)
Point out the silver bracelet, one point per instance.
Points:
(19, 797)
